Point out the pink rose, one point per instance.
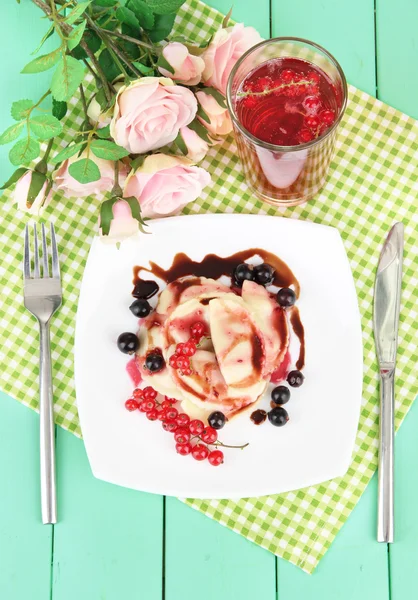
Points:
(64, 181)
(20, 194)
(220, 121)
(165, 184)
(123, 225)
(226, 47)
(188, 68)
(196, 147)
(149, 112)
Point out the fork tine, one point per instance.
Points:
(55, 259)
(26, 257)
(44, 252)
(35, 252)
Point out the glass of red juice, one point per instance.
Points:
(286, 97)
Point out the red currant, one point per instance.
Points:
(312, 104)
(152, 415)
(216, 457)
(187, 371)
(183, 363)
(143, 406)
(170, 426)
(131, 404)
(200, 452)
(173, 360)
(138, 394)
(305, 136)
(190, 347)
(168, 402)
(149, 393)
(263, 83)
(327, 117)
(209, 435)
(149, 404)
(198, 329)
(162, 415)
(287, 75)
(182, 435)
(184, 449)
(180, 348)
(312, 122)
(183, 420)
(172, 413)
(313, 76)
(249, 102)
(196, 427)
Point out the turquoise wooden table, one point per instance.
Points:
(117, 544)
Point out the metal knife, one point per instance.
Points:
(387, 297)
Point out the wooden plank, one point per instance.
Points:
(397, 54)
(25, 544)
(346, 29)
(108, 542)
(257, 15)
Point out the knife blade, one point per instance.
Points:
(387, 297)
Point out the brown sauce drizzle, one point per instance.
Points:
(300, 333)
(144, 288)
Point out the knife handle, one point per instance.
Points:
(386, 439)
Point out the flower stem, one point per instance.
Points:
(128, 38)
(83, 101)
(116, 190)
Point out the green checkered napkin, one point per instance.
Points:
(372, 184)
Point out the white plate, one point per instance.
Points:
(315, 445)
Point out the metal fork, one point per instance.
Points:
(42, 297)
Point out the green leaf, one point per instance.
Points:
(66, 153)
(181, 144)
(109, 67)
(76, 12)
(101, 99)
(105, 3)
(106, 213)
(16, 175)
(11, 133)
(107, 150)
(143, 68)
(45, 127)
(136, 212)
(162, 27)
(43, 40)
(142, 12)
(164, 64)
(75, 36)
(192, 48)
(131, 49)
(93, 42)
(138, 161)
(227, 18)
(43, 63)
(125, 15)
(220, 98)
(66, 78)
(200, 130)
(84, 170)
(20, 109)
(36, 184)
(59, 109)
(201, 113)
(164, 7)
(103, 132)
(24, 151)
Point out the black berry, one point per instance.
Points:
(217, 419)
(263, 274)
(295, 378)
(280, 394)
(128, 343)
(243, 272)
(140, 308)
(286, 297)
(278, 416)
(154, 362)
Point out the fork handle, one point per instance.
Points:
(386, 443)
(47, 430)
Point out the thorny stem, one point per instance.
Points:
(83, 101)
(282, 86)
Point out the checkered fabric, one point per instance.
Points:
(372, 183)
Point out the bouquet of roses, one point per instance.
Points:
(157, 107)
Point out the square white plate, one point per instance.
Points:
(317, 442)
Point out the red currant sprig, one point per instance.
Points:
(180, 360)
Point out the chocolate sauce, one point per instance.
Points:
(258, 416)
(144, 288)
(300, 333)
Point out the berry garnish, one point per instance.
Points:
(143, 406)
(182, 435)
(172, 413)
(173, 360)
(168, 402)
(295, 378)
(312, 104)
(242, 273)
(312, 123)
(327, 117)
(189, 348)
(263, 274)
(152, 415)
(187, 371)
(196, 427)
(280, 394)
(305, 136)
(200, 452)
(287, 75)
(131, 404)
(216, 457)
(140, 308)
(170, 426)
(250, 102)
(148, 393)
(128, 343)
(149, 405)
(184, 449)
(198, 330)
(182, 420)
(162, 416)
(286, 297)
(138, 394)
(278, 416)
(180, 348)
(183, 363)
(209, 435)
(154, 362)
(217, 419)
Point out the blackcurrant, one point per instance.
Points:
(278, 416)
(140, 308)
(280, 394)
(286, 297)
(154, 362)
(295, 378)
(128, 343)
(263, 274)
(243, 272)
(217, 419)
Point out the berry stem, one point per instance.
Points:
(218, 443)
(275, 89)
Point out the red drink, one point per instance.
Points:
(286, 98)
